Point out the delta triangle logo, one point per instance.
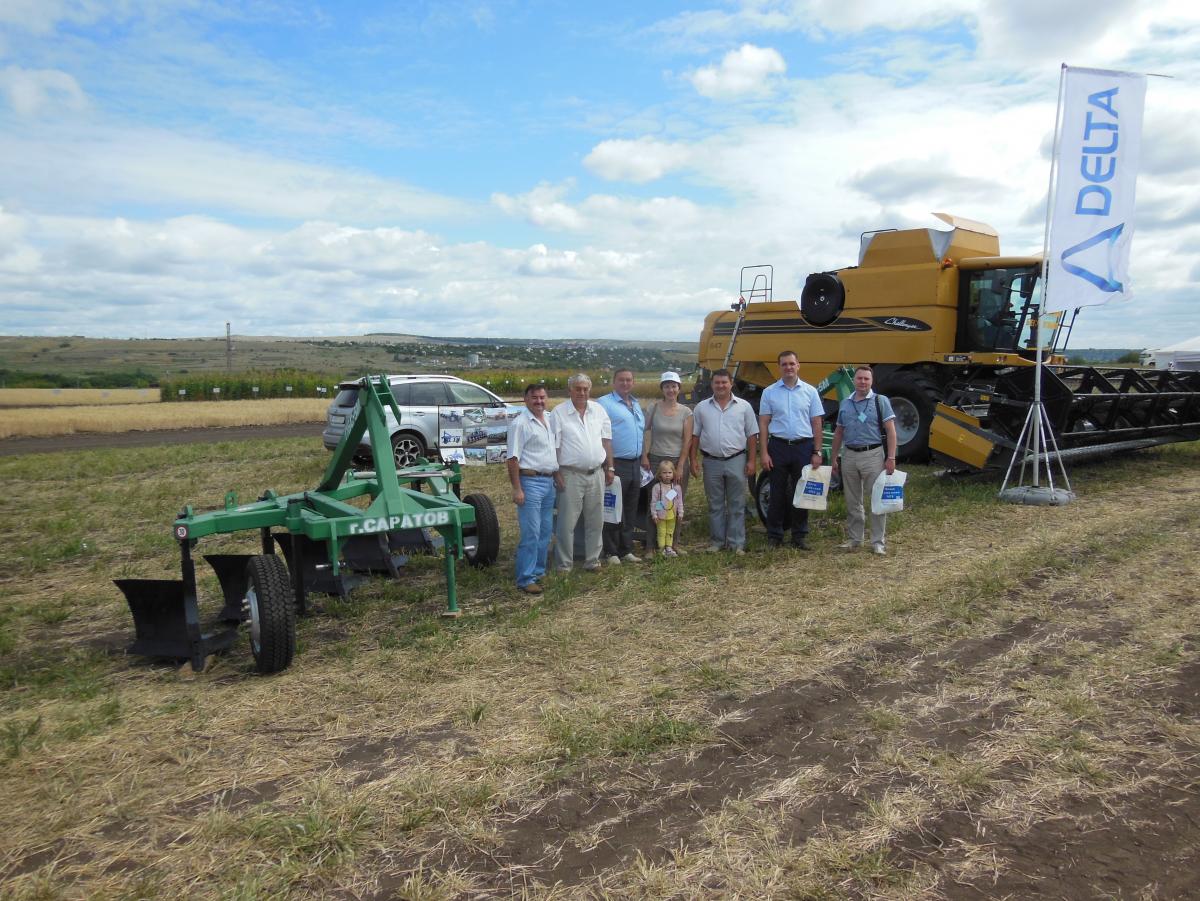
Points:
(1104, 283)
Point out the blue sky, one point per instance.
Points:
(544, 169)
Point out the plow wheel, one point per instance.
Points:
(481, 542)
(272, 613)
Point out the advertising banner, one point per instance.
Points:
(1098, 153)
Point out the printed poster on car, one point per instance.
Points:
(474, 436)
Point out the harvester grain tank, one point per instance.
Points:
(947, 321)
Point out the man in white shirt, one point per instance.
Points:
(533, 440)
(585, 466)
(726, 432)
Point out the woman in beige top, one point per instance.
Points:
(669, 434)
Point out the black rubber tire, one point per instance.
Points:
(273, 604)
(406, 448)
(914, 398)
(823, 298)
(702, 390)
(486, 532)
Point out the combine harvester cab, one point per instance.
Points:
(947, 322)
(329, 546)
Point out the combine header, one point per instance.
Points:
(329, 545)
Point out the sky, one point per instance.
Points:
(547, 169)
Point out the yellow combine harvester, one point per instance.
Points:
(948, 324)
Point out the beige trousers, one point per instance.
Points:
(860, 469)
(581, 495)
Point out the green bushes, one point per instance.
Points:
(241, 385)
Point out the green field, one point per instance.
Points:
(1002, 707)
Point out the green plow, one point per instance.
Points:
(325, 545)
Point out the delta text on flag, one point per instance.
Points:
(1091, 225)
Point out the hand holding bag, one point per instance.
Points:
(887, 494)
(612, 501)
(812, 491)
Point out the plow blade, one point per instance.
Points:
(166, 622)
(231, 572)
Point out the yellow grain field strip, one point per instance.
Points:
(45, 422)
(76, 397)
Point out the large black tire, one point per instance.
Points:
(482, 541)
(406, 448)
(914, 397)
(271, 607)
(823, 298)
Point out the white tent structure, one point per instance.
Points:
(1184, 355)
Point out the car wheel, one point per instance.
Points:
(407, 449)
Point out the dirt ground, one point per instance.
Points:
(1007, 706)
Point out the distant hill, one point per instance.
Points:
(149, 359)
(1100, 354)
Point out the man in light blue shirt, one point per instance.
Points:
(628, 427)
(865, 424)
(790, 415)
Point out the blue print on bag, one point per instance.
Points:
(814, 489)
(893, 492)
(610, 500)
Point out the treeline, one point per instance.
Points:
(138, 378)
(242, 385)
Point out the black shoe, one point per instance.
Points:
(774, 543)
(800, 543)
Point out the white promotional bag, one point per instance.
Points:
(887, 494)
(812, 491)
(612, 501)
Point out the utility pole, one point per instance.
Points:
(228, 349)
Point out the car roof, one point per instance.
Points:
(416, 377)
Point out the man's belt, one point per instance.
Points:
(862, 447)
(715, 457)
(790, 440)
(627, 459)
(533, 473)
(579, 469)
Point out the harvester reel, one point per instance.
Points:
(823, 298)
(271, 610)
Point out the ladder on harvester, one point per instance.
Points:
(755, 282)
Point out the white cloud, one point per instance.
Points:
(637, 161)
(32, 91)
(747, 70)
(543, 206)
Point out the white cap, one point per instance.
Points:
(669, 376)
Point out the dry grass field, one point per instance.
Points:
(75, 397)
(1004, 707)
(49, 421)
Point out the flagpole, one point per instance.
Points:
(1031, 434)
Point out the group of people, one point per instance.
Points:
(568, 457)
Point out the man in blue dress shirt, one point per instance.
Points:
(628, 426)
(790, 414)
(865, 425)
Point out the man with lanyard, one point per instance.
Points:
(727, 435)
(628, 425)
(790, 415)
(865, 422)
(584, 468)
(533, 439)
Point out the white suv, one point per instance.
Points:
(418, 397)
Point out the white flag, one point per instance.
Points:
(1098, 154)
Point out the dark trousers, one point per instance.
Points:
(618, 537)
(787, 462)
